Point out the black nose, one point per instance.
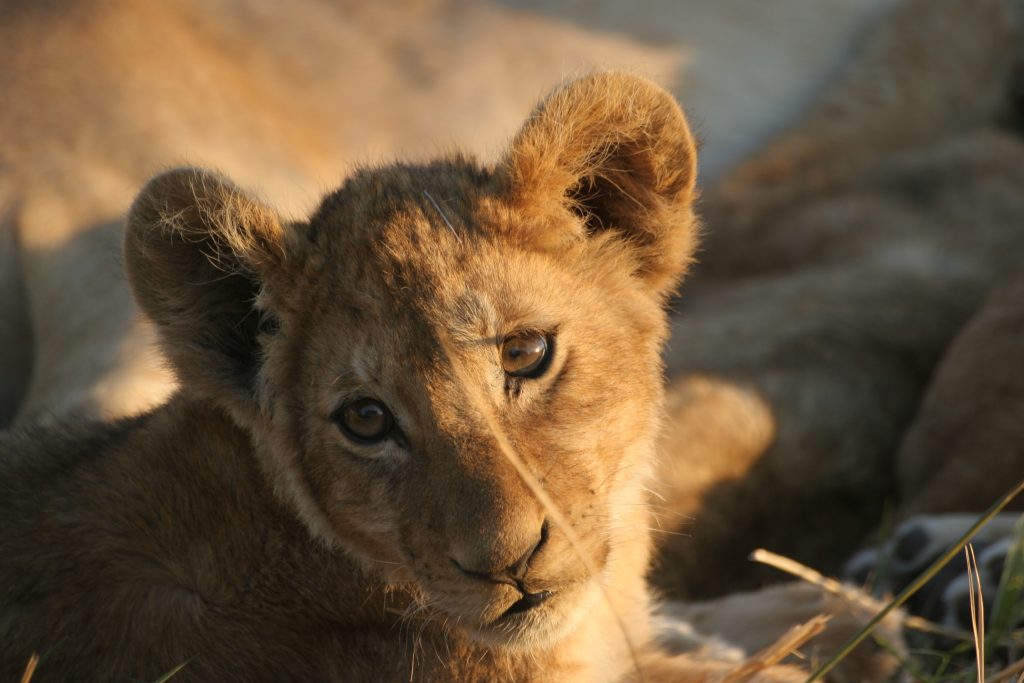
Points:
(518, 570)
(514, 574)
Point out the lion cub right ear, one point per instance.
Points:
(616, 150)
(198, 251)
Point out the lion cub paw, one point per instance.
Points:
(917, 543)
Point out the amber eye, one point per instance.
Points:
(525, 355)
(365, 421)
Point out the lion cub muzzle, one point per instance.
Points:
(513, 575)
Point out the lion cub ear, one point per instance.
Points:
(614, 149)
(197, 252)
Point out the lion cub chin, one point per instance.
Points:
(413, 433)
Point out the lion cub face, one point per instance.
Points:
(451, 372)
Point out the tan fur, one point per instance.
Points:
(238, 529)
(844, 258)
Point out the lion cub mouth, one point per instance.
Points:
(543, 616)
(528, 602)
(532, 618)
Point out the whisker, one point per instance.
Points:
(447, 222)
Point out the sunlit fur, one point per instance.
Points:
(237, 528)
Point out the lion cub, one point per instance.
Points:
(413, 434)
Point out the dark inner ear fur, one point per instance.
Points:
(237, 341)
(601, 203)
(195, 249)
(615, 150)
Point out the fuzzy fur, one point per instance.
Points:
(238, 529)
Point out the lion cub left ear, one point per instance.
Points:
(198, 253)
(615, 149)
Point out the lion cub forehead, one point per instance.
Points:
(420, 235)
(410, 206)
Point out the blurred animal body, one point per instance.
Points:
(852, 337)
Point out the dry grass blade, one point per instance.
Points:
(977, 610)
(916, 585)
(172, 673)
(801, 571)
(854, 597)
(30, 668)
(1003, 675)
(790, 641)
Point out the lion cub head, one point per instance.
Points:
(440, 340)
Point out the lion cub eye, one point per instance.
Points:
(525, 355)
(366, 421)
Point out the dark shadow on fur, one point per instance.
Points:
(15, 328)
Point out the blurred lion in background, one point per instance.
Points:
(854, 336)
(102, 94)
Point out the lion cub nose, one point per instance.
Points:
(472, 564)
